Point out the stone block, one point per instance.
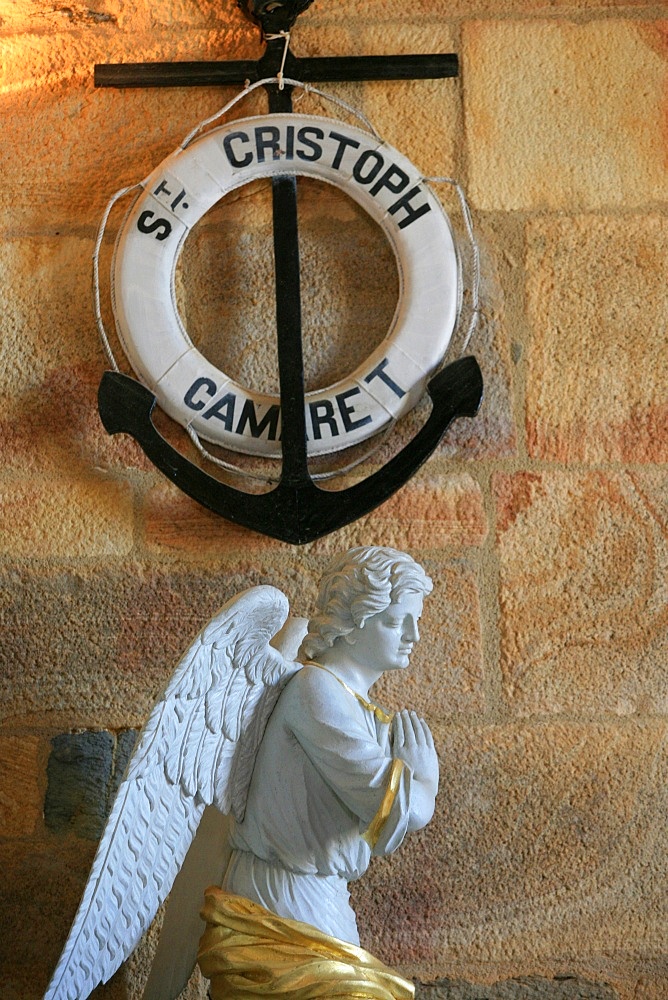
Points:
(64, 518)
(392, 14)
(418, 117)
(39, 893)
(542, 142)
(446, 672)
(79, 774)
(98, 140)
(47, 288)
(23, 17)
(429, 512)
(93, 646)
(84, 772)
(597, 360)
(433, 510)
(20, 792)
(526, 988)
(48, 407)
(54, 425)
(583, 592)
(491, 434)
(546, 856)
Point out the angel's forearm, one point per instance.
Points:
(421, 805)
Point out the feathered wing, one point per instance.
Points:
(197, 749)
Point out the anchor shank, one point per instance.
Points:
(288, 315)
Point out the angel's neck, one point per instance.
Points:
(359, 678)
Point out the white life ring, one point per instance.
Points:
(188, 183)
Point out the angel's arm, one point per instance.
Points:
(374, 785)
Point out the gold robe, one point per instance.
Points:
(248, 952)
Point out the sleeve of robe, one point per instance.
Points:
(330, 725)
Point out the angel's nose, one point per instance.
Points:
(411, 633)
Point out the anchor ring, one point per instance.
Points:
(178, 193)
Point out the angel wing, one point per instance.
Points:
(197, 748)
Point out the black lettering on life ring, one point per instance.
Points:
(207, 384)
(269, 421)
(161, 227)
(344, 142)
(382, 182)
(377, 162)
(412, 212)
(315, 147)
(379, 372)
(347, 411)
(236, 161)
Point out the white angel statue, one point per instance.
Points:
(312, 779)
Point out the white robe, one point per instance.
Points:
(320, 777)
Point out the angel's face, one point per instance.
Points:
(386, 640)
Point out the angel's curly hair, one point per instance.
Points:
(360, 583)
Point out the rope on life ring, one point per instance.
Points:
(178, 193)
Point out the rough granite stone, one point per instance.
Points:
(544, 142)
(48, 79)
(583, 592)
(419, 117)
(597, 359)
(49, 280)
(392, 14)
(48, 383)
(93, 646)
(180, 15)
(39, 893)
(79, 773)
(126, 740)
(55, 425)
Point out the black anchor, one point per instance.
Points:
(296, 510)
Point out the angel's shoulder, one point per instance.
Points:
(312, 690)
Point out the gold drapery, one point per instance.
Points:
(248, 953)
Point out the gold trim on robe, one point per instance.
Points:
(375, 827)
(383, 717)
(248, 953)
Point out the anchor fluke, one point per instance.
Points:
(296, 511)
(460, 386)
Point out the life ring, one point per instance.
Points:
(188, 183)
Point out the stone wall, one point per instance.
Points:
(544, 522)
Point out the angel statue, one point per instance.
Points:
(266, 763)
